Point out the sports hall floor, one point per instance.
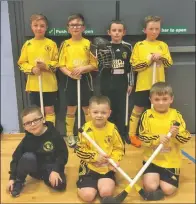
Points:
(36, 192)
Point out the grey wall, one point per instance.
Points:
(9, 110)
(174, 13)
(97, 13)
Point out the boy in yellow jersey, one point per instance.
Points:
(75, 61)
(39, 56)
(155, 123)
(144, 54)
(96, 175)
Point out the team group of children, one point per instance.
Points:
(43, 153)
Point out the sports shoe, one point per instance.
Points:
(135, 141)
(17, 188)
(71, 141)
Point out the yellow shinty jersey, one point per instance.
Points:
(46, 50)
(140, 60)
(155, 125)
(107, 138)
(75, 54)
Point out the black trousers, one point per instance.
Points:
(115, 89)
(28, 165)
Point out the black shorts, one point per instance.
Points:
(169, 175)
(141, 99)
(90, 178)
(49, 98)
(71, 90)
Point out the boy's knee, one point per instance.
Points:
(49, 109)
(85, 109)
(28, 160)
(106, 187)
(168, 189)
(150, 187)
(87, 195)
(27, 163)
(71, 110)
(105, 192)
(139, 109)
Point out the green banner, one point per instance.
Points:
(164, 30)
(63, 32)
(173, 30)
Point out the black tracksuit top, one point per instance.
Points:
(49, 148)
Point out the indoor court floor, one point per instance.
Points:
(36, 191)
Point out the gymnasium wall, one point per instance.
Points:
(178, 31)
(9, 109)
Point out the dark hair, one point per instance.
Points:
(161, 88)
(148, 19)
(76, 16)
(36, 17)
(117, 22)
(100, 100)
(31, 109)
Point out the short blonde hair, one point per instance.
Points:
(161, 88)
(100, 100)
(36, 17)
(148, 19)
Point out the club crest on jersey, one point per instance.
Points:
(47, 48)
(86, 48)
(48, 146)
(89, 130)
(67, 45)
(108, 139)
(124, 55)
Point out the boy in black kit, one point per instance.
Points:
(42, 154)
(115, 82)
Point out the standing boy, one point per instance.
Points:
(39, 56)
(75, 61)
(145, 54)
(114, 82)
